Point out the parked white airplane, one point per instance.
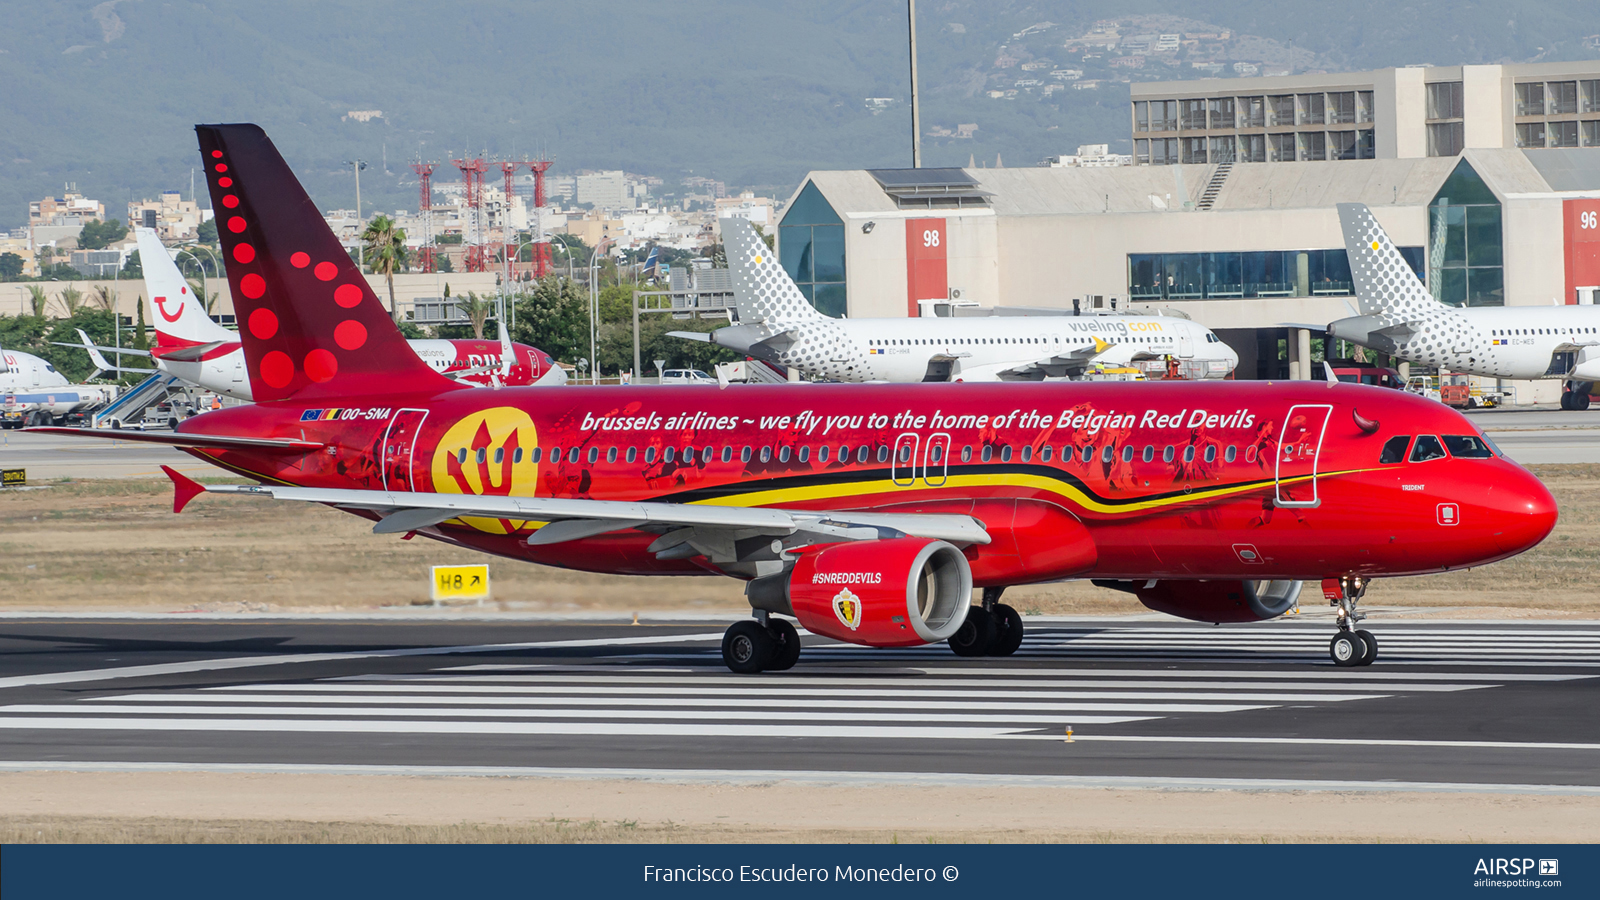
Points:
(1399, 317)
(193, 348)
(32, 392)
(776, 324)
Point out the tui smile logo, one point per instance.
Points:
(847, 606)
(161, 307)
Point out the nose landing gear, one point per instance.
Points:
(1350, 646)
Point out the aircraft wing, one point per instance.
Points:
(724, 534)
(1073, 361)
(199, 441)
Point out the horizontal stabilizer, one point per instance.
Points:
(195, 353)
(691, 335)
(198, 441)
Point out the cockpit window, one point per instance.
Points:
(1468, 446)
(1394, 449)
(1426, 448)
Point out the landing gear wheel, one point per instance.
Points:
(1372, 646)
(1580, 400)
(1346, 649)
(746, 647)
(975, 634)
(1007, 631)
(786, 645)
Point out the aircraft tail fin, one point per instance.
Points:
(178, 315)
(310, 324)
(762, 290)
(1384, 281)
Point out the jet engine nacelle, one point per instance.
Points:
(1220, 601)
(900, 592)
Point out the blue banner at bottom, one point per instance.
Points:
(64, 872)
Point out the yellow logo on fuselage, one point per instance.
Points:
(488, 453)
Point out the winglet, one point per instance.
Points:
(184, 488)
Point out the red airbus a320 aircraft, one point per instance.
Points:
(866, 512)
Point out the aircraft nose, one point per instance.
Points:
(1526, 512)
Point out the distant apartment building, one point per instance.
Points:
(758, 210)
(173, 218)
(1384, 114)
(96, 263)
(60, 219)
(1090, 156)
(604, 190)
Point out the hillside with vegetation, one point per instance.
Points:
(753, 92)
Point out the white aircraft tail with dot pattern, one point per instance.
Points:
(762, 290)
(1385, 285)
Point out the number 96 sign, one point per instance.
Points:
(460, 583)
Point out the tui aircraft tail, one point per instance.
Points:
(178, 315)
(762, 291)
(310, 325)
(1384, 281)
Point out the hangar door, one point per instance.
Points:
(926, 275)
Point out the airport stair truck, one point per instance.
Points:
(128, 410)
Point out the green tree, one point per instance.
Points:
(554, 316)
(133, 268)
(141, 340)
(207, 232)
(386, 253)
(11, 266)
(71, 300)
(104, 298)
(98, 235)
(478, 310)
(37, 299)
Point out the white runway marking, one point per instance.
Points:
(247, 662)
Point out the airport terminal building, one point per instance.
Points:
(1247, 244)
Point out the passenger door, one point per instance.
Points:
(399, 445)
(904, 461)
(1300, 443)
(936, 462)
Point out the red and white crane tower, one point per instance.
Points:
(476, 240)
(541, 247)
(424, 172)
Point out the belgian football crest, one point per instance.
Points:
(847, 606)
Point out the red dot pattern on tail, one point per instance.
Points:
(263, 323)
(347, 295)
(321, 365)
(277, 369)
(326, 271)
(244, 253)
(300, 259)
(350, 334)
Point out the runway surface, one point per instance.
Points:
(1493, 706)
(1543, 434)
(48, 457)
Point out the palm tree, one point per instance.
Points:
(37, 298)
(385, 250)
(105, 298)
(478, 310)
(71, 300)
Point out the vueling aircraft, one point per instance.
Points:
(868, 513)
(778, 325)
(1399, 317)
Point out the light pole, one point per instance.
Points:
(594, 309)
(358, 165)
(201, 265)
(916, 119)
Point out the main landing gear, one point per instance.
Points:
(1576, 395)
(993, 629)
(763, 644)
(1350, 646)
